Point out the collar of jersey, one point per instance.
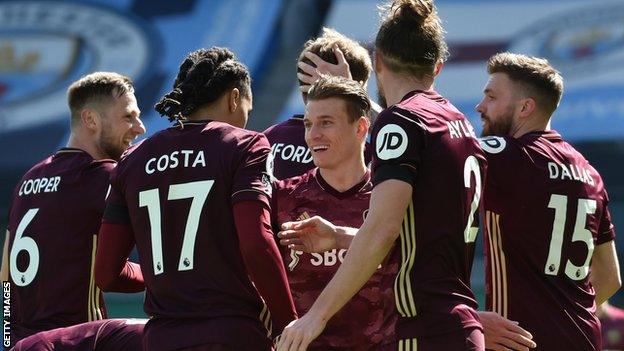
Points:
(344, 194)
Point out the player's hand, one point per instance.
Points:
(312, 74)
(309, 235)
(501, 334)
(300, 333)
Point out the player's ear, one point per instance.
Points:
(234, 99)
(89, 118)
(528, 107)
(377, 64)
(363, 125)
(438, 68)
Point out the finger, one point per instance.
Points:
(307, 69)
(339, 55)
(305, 88)
(315, 59)
(515, 328)
(288, 225)
(295, 342)
(306, 78)
(289, 234)
(299, 248)
(288, 242)
(522, 340)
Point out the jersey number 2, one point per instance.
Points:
(198, 191)
(559, 203)
(472, 167)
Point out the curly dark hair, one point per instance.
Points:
(204, 76)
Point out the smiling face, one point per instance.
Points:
(120, 125)
(499, 106)
(334, 140)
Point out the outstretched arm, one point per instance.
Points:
(370, 246)
(315, 234)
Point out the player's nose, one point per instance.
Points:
(138, 127)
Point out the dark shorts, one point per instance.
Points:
(197, 334)
(466, 340)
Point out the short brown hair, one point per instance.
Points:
(355, 54)
(95, 88)
(542, 82)
(411, 37)
(355, 97)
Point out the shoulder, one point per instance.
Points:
(238, 136)
(288, 126)
(289, 186)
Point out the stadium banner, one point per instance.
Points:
(584, 40)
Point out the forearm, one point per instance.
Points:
(604, 287)
(368, 249)
(113, 271)
(605, 272)
(130, 280)
(344, 237)
(263, 261)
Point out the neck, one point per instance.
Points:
(78, 141)
(212, 111)
(530, 125)
(397, 86)
(346, 176)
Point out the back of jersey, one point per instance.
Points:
(545, 212)
(425, 141)
(53, 222)
(179, 187)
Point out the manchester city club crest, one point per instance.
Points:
(45, 45)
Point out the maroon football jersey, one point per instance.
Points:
(367, 320)
(289, 151)
(425, 141)
(177, 189)
(102, 335)
(53, 222)
(546, 210)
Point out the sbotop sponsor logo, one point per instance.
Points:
(577, 42)
(44, 46)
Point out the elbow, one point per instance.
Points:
(104, 281)
(387, 235)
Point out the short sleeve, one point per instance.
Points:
(398, 140)
(252, 180)
(606, 230)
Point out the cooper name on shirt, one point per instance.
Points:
(39, 185)
(178, 158)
